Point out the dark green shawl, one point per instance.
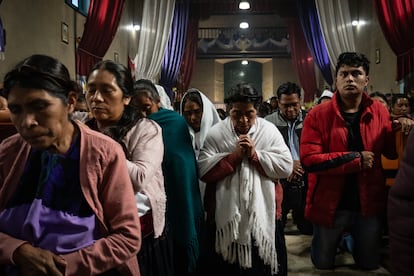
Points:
(184, 208)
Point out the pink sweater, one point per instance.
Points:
(107, 188)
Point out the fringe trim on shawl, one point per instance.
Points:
(266, 247)
(242, 253)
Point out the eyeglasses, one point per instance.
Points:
(293, 105)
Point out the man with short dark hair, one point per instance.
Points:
(241, 160)
(341, 146)
(289, 120)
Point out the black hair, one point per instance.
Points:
(243, 93)
(147, 86)
(122, 75)
(41, 72)
(193, 95)
(352, 59)
(379, 94)
(130, 116)
(222, 113)
(288, 88)
(395, 97)
(81, 98)
(264, 109)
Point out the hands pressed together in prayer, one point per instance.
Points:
(245, 146)
(34, 261)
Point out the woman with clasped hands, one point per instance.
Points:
(66, 201)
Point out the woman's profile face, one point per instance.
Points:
(105, 98)
(193, 114)
(41, 118)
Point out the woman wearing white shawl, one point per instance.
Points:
(241, 159)
(200, 114)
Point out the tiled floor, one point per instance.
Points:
(299, 263)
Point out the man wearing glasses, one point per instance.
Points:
(289, 120)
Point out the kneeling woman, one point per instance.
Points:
(108, 93)
(66, 201)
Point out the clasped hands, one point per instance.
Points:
(245, 146)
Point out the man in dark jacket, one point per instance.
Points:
(341, 146)
(288, 118)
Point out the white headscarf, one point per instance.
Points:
(164, 99)
(210, 117)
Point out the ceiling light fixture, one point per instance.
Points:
(244, 5)
(244, 62)
(244, 25)
(355, 23)
(136, 27)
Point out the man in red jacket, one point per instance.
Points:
(341, 146)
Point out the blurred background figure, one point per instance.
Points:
(264, 109)
(4, 110)
(81, 104)
(165, 101)
(381, 98)
(274, 104)
(325, 96)
(81, 111)
(401, 215)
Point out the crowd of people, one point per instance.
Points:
(111, 181)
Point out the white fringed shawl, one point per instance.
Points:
(245, 200)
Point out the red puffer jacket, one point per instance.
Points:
(324, 154)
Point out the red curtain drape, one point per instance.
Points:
(100, 28)
(302, 60)
(396, 18)
(189, 57)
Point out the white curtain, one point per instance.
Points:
(335, 20)
(155, 30)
